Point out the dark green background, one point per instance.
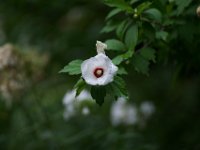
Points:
(67, 30)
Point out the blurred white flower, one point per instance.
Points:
(131, 115)
(7, 56)
(69, 97)
(15, 75)
(198, 11)
(127, 114)
(84, 95)
(71, 103)
(123, 113)
(69, 112)
(98, 70)
(147, 109)
(85, 111)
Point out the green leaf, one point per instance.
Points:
(122, 71)
(148, 53)
(121, 29)
(143, 6)
(98, 93)
(133, 1)
(141, 64)
(113, 13)
(119, 4)
(131, 37)
(118, 87)
(114, 44)
(73, 68)
(128, 54)
(79, 86)
(109, 27)
(153, 14)
(182, 4)
(162, 35)
(118, 59)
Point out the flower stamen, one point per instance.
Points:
(98, 72)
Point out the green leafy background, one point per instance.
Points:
(155, 43)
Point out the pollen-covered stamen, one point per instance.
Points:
(98, 72)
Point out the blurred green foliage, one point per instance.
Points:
(67, 30)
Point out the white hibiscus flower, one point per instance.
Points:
(98, 70)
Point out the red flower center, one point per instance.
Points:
(98, 72)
